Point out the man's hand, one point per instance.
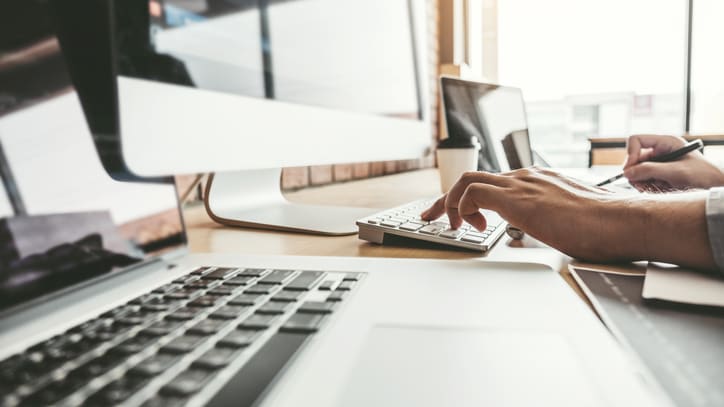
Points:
(690, 171)
(577, 219)
(583, 221)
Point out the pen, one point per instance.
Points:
(670, 156)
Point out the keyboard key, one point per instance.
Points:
(185, 279)
(143, 298)
(287, 296)
(162, 328)
(317, 307)
(117, 391)
(100, 336)
(273, 308)
(352, 277)
(134, 319)
(215, 358)
(167, 288)
(261, 289)
(229, 312)
(204, 301)
(134, 345)
(200, 271)
(258, 321)
(54, 391)
(337, 295)
(223, 291)
(184, 314)
(452, 233)
(19, 369)
(113, 313)
(245, 299)
(154, 365)
(433, 229)
(238, 281)
(303, 322)
(390, 224)
(253, 272)
(154, 308)
(409, 226)
(208, 326)
(188, 382)
(305, 281)
(345, 285)
(327, 285)
(183, 344)
(472, 239)
(78, 343)
(221, 273)
(98, 366)
(202, 284)
(184, 294)
(238, 338)
(277, 277)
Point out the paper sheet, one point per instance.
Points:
(676, 284)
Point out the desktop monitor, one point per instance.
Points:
(245, 87)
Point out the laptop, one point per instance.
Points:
(101, 302)
(492, 114)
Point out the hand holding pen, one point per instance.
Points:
(655, 158)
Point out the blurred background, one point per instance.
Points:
(591, 71)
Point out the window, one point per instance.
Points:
(595, 69)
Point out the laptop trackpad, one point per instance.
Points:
(430, 366)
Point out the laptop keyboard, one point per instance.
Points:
(181, 342)
(406, 221)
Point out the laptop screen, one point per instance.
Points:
(63, 219)
(492, 114)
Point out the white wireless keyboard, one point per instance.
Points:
(405, 221)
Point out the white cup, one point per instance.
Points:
(453, 162)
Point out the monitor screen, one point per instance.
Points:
(63, 220)
(352, 55)
(495, 116)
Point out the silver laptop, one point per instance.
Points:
(101, 303)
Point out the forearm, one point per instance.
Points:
(672, 228)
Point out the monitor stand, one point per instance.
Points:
(254, 199)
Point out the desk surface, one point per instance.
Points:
(383, 192)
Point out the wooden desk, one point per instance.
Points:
(383, 192)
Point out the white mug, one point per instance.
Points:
(453, 162)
